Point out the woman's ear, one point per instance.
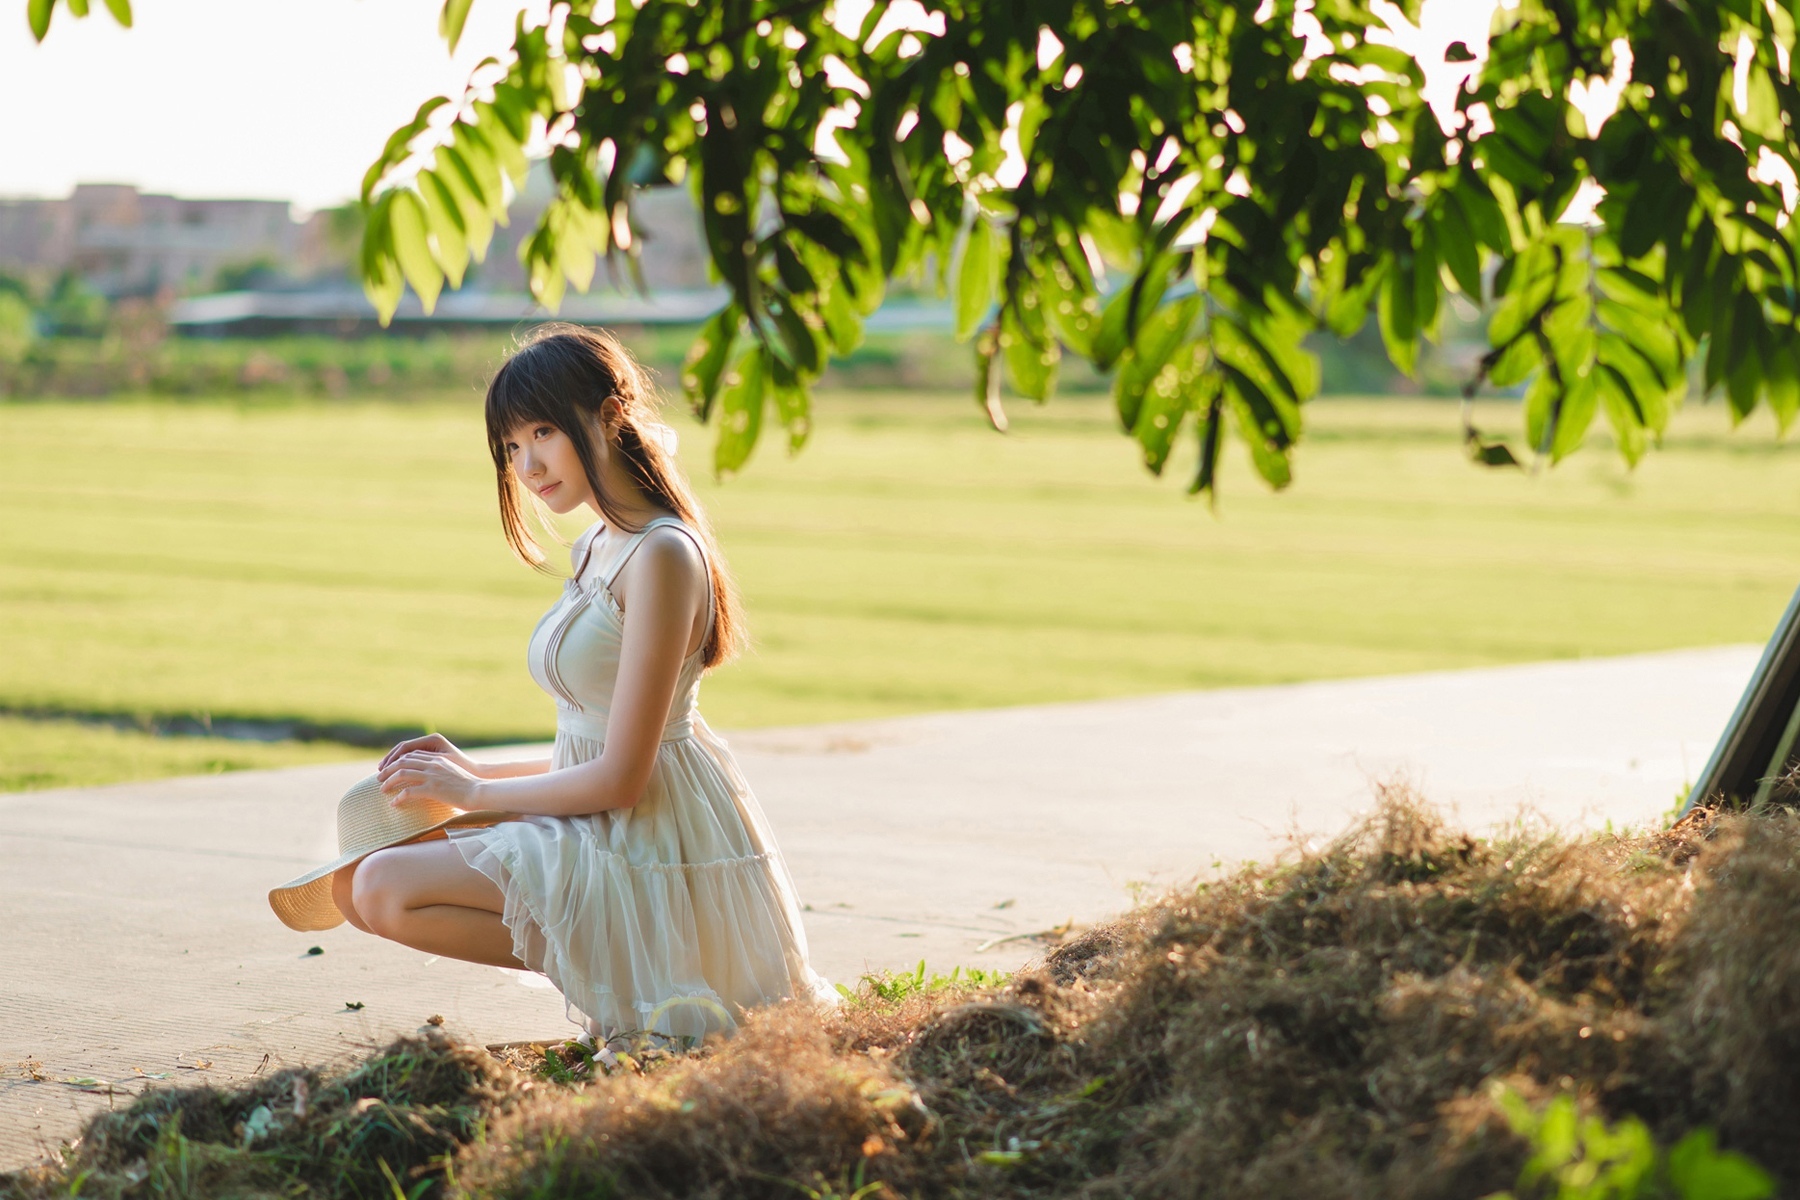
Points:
(612, 414)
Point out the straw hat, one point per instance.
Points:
(367, 821)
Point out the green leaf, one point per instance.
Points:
(793, 404)
(1702, 1172)
(1456, 242)
(1271, 352)
(1030, 361)
(798, 337)
(1070, 306)
(976, 276)
(38, 13)
(445, 221)
(1269, 459)
(843, 323)
(795, 276)
(1762, 111)
(506, 145)
(1744, 368)
(381, 278)
(741, 409)
(1184, 382)
(455, 176)
(987, 378)
(1212, 433)
(1427, 285)
(407, 220)
(473, 156)
(831, 234)
(1622, 413)
(121, 11)
(706, 359)
(1540, 412)
(1399, 312)
(1155, 343)
(1126, 310)
(1782, 384)
(1580, 402)
(451, 20)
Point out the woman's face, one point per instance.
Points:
(544, 459)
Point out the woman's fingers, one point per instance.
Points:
(414, 759)
(403, 780)
(430, 741)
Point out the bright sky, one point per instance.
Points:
(241, 98)
(263, 98)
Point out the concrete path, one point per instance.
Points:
(135, 945)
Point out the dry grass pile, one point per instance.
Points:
(396, 1120)
(1345, 1024)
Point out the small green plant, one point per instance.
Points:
(1681, 799)
(893, 987)
(852, 1189)
(1583, 1158)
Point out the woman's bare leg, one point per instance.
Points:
(340, 895)
(425, 896)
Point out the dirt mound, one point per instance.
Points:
(1339, 1024)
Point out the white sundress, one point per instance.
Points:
(673, 916)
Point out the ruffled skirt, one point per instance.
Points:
(671, 917)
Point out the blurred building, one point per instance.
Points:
(125, 242)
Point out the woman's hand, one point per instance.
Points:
(434, 743)
(429, 775)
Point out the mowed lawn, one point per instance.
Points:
(341, 562)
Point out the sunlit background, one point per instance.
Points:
(240, 525)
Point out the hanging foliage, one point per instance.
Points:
(1179, 192)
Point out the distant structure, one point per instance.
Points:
(124, 242)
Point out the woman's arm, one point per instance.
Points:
(513, 768)
(668, 593)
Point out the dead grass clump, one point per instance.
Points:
(1737, 1013)
(1333, 1011)
(782, 1107)
(1342, 1024)
(395, 1119)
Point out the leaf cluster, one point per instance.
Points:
(1577, 1157)
(1181, 193)
(39, 12)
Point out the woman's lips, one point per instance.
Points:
(548, 488)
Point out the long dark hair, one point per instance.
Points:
(561, 375)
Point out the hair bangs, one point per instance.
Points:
(517, 396)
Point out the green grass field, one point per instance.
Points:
(341, 561)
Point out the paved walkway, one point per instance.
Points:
(136, 945)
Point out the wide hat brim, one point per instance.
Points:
(367, 822)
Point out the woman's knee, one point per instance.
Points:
(378, 893)
(342, 883)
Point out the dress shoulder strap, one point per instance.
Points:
(637, 539)
(585, 544)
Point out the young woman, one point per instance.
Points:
(639, 874)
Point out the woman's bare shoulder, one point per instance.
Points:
(670, 562)
(673, 553)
